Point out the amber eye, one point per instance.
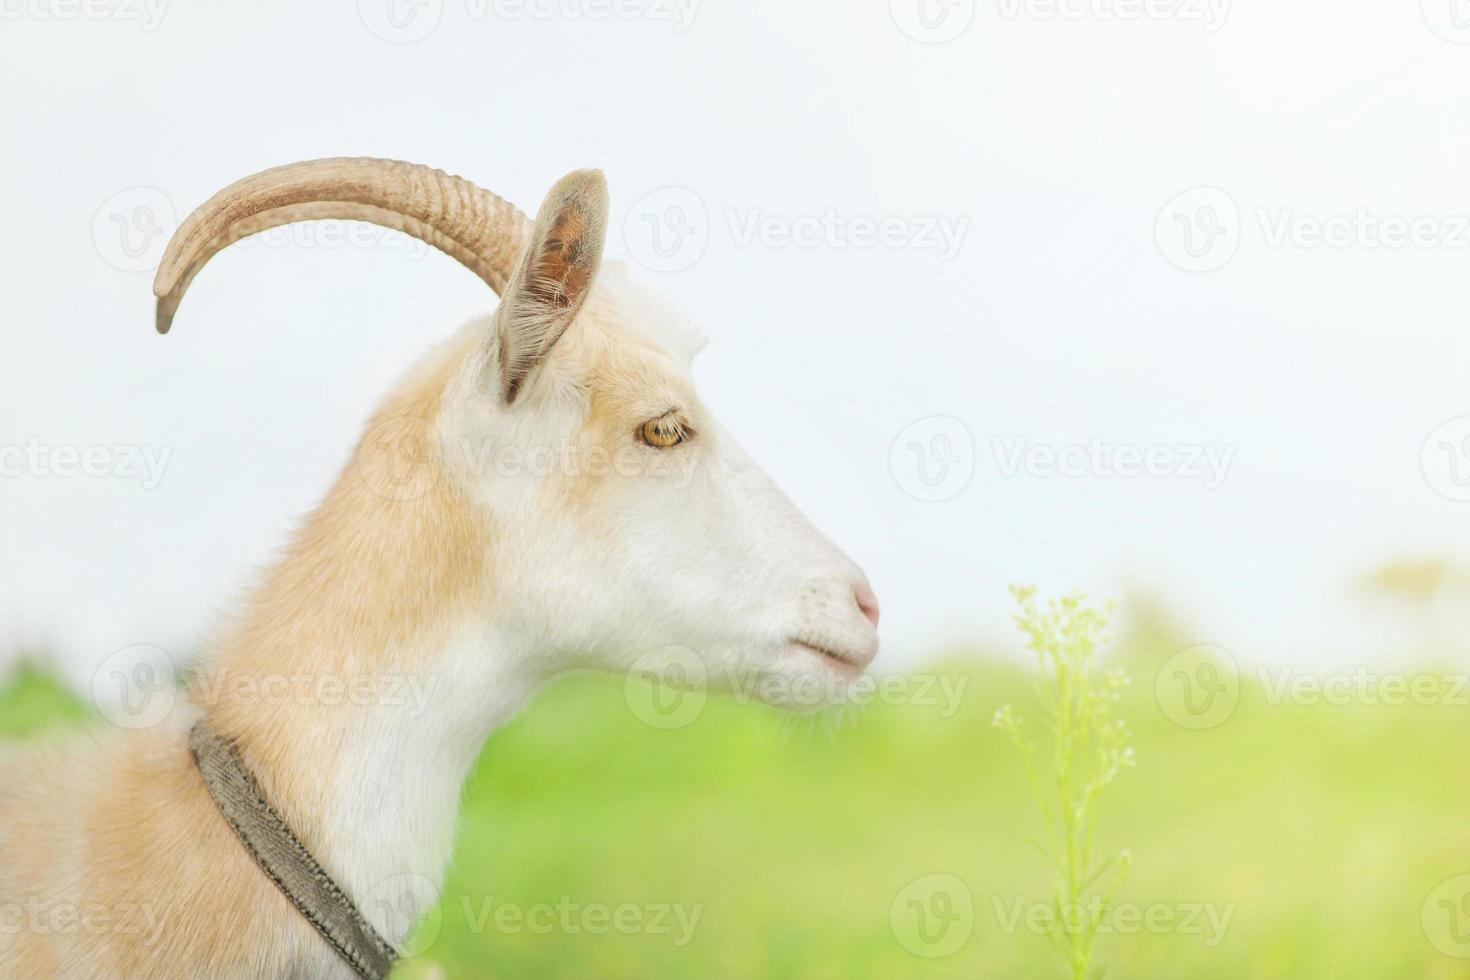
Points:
(664, 432)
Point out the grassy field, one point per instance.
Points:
(1290, 840)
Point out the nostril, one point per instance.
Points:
(867, 602)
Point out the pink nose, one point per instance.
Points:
(866, 601)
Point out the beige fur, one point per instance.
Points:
(125, 815)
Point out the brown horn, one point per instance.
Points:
(481, 231)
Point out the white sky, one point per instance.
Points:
(1053, 143)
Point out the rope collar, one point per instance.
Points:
(285, 860)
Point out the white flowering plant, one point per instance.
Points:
(1083, 750)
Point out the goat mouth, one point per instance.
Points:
(842, 661)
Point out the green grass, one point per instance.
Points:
(32, 699)
(1322, 829)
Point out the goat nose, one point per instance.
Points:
(866, 601)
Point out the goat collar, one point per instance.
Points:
(285, 860)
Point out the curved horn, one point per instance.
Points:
(481, 231)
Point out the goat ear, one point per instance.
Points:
(552, 278)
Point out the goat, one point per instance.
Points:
(654, 530)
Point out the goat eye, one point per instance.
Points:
(665, 432)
